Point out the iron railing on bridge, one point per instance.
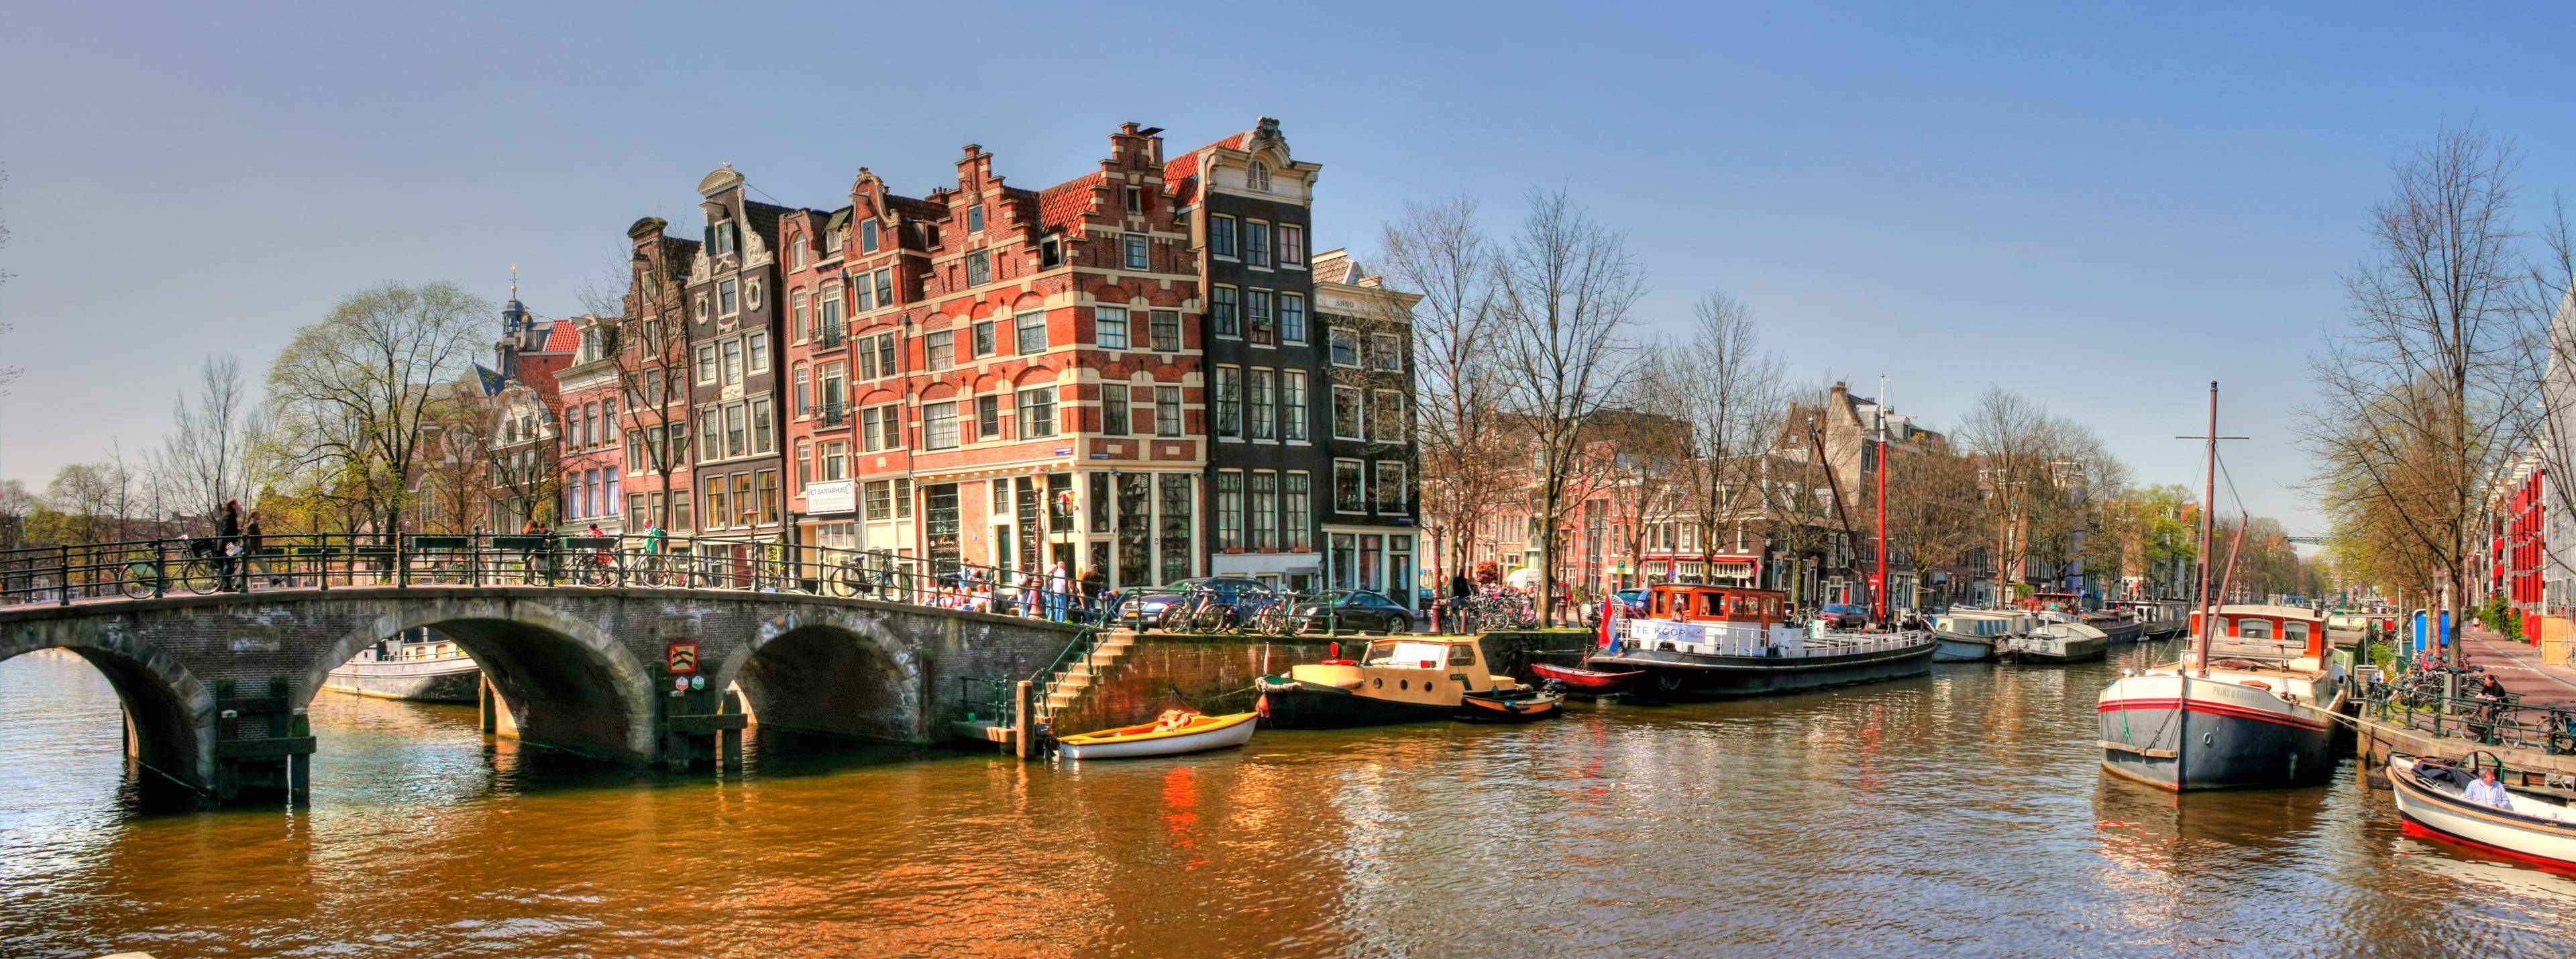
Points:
(323, 561)
(2483, 720)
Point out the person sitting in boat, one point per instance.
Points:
(2488, 792)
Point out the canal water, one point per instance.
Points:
(1960, 813)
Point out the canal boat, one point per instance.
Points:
(1584, 682)
(2536, 826)
(1398, 680)
(1976, 635)
(1719, 642)
(2061, 642)
(418, 665)
(2251, 718)
(1175, 732)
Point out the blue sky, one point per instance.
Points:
(2102, 209)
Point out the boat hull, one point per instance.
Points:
(2127, 632)
(1515, 708)
(2180, 734)
(2072, 651)
(1958, 648)
(1302, 705)
(1587, 682)
(455, 680)
(2489, 830)
(1672, 676)
(1226, 735)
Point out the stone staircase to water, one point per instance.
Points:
(1078, 677)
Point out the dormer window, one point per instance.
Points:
(1257, 176)
(867, 236)
(975, 218)
(832, 243)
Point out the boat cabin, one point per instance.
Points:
(1689, 602)
(2059, 602)
(2287, 630)
(1430, 669)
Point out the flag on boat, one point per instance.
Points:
(1609, 630)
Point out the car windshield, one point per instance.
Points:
(1838, 608)
(1183, 585)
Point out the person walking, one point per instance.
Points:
(252, 544)
(228, 530)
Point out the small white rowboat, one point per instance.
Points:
(2541, 827)
(1170, 736)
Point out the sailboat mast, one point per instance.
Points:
(1878, 585)
(2208, 529)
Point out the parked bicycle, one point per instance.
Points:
(197, 571)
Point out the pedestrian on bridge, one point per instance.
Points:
(1059, 584)
(228, 531)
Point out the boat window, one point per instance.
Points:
(1406, 653)
(2294, 631)
(2253, 627)
(1712, 604)
(1461, 654)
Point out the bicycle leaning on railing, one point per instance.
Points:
(2484, 720)
(199, 569)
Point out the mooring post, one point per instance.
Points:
(1020, 718)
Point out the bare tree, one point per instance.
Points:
(1567, 288)
(206, 459)
(2421, 397)
(1732, 398)
(1438, 251)
(2007, 434)
(1653, 461)
(353, 394)
(648, 341)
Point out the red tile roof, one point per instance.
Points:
(1186, 165)
(563, 338)
(1064, 202)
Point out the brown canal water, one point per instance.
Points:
(1960, 813)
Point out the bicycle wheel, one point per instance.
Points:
(845, 582)
(199, 576)
(139, 577)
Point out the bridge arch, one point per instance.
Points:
(172, 713)
(569, 685)
(839, 672)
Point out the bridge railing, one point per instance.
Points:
(324, 561)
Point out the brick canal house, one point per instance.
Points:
(652, 359)
(592, 459)
(1016, 384)
(526, 416)
(735, 387)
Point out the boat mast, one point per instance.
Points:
(1878, 584)
(2208, 528)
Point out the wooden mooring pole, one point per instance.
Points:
(1020, 719)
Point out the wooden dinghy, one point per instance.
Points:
(1581, 681)
(1509, 706)
(2540, 827)
(1177, 731)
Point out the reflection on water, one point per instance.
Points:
(1959, 812)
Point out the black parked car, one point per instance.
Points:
(1350, 610)
(1142, 609)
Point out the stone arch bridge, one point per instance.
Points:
(214, 687)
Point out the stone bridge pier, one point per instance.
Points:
(215, 687)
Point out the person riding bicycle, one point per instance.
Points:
(654, 538)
